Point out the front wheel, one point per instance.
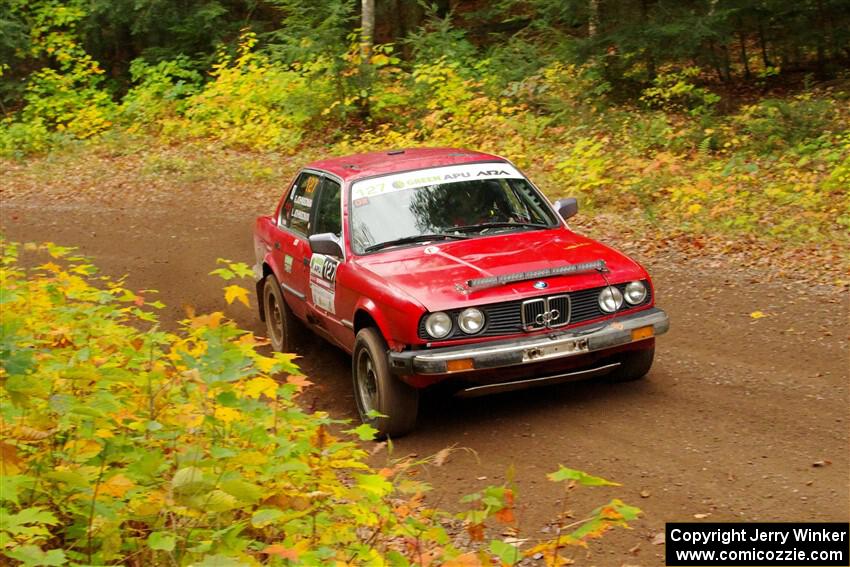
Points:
(633, 366)
(377, 390)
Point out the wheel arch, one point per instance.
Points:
(267, 271)
(367, 314)
(363, 319)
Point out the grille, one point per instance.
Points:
(544, 312)
(507, 318)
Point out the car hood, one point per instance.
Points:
(436, 274)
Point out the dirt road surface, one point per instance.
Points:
(740, 418)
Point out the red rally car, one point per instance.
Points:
(444, 265)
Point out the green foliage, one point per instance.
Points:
(64, 97)
(438, 37)
(118, 32)
(68, 97)
(126, 444)
(310, 30)
(250, 102)
(14, 44)
(585, 165)
(675, 91)
(159, 91)
(19, 139)
(564, 91)
(775, 124)
(759, 43)
(563, 473)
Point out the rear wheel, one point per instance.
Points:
(281, 324)
(633, 366)
(377, 390)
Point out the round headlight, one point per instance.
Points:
(635, 293)
(470, 320)
(610, 299)
(438, 325)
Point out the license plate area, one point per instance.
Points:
(563, 348)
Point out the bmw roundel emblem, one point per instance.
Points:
(541, 285)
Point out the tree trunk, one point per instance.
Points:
(727, 65)
(367, 25)
(593, 18)
(744, 58)
(822, 41)
(714, 61)
(399, 30)
(763, 44)
(649, 56)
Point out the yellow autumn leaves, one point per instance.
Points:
(236, 292)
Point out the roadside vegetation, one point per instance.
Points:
(125, 444)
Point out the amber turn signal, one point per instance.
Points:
(642, 333)
(461, 364)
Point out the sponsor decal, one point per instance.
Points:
(287, 264)
(323, 297)
(323, 281)
(301, 215)
(435, 176)
(310, 186)
(361, 201)
(304, 201)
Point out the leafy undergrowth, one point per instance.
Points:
(125, 444)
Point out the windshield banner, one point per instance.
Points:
(436, 176)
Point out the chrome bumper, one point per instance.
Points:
(559, 344)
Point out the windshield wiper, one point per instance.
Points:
(487, 225)
(413, 239)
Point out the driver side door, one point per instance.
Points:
(294, 224)
(322, 297)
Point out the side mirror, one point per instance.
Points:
(567, 207)
(326, 243)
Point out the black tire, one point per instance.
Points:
(281, 324)
(633, 366)
(375, 388)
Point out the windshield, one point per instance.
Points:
(442, 203)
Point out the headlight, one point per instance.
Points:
(470, 320)
(610, 299)
(438, 325)
(635, 293)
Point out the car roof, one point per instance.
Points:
(359, 166)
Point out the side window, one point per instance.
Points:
(328, 209)
(295, 213)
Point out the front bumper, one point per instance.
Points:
(581, 340)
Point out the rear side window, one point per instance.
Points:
(295, 213)
(328, 216)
